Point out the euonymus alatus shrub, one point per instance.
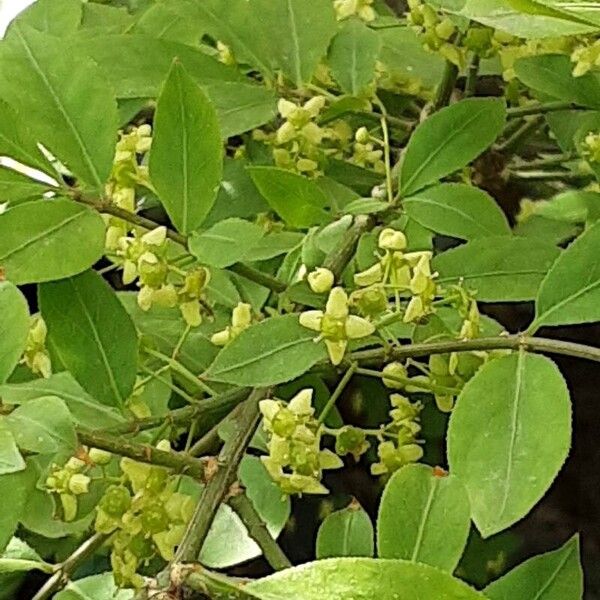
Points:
(247, 245)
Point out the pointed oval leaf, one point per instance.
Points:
(499, 269)
(15, 488)
(44, 426)
(225, 243)
(450, 140)
(11, 460)
(47, 240)
(14, 327)
(96, 587)
(458, 210)
(299, 201)
(58, 17)
(424, 518)
(571, 291)
(498, 442)
(554, 575)
(361, 578)
(69, 106)
(277, 350)
(347, 532)
(91, 335)
(186, 160)
(352, 56)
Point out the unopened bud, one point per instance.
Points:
(321, 280)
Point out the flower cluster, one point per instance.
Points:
(35, 355)
(146, 516)
(586, 57)
(71, 480)
(590, 147)
(363, 9)
(296, 461)
(336, 325)
(399, 445)
(398, 272)
(241, 318)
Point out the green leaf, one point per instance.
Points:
(500, 269)
(58, 17)
(19, 557)
(17, 141)
(170, 21)
(287, 35)
(457, 210)
(44, 426)
(362, 578)
(347, 532)
(352, 56)
(103, 18)
(11, 460)
(555, 575)
(14, 327)
(573, 206)
(92, 335)
(274, 244)
(16, 188)
(186, 161)
(549, 9)
(498, 442)
(69, 106)
(96, 587)
(424, 518)
(228, 542)
(274, 351)
(225, 243)
(296, 199)
(48, 240)
(552, 74)
(86, 410)
(450, 140)
(14, 491)
(499, 14)
(570, 293)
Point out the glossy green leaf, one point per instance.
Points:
(170, 21)
(362, 578)
(274, 244)
(573, 206)
(457, 210)
(555, 575)
(552, 74)
(500, 269)
(274, 351)
(186, 161)
(449, 140)
(347, 532)
(48, 240)
(287, 35)
(96, 587)
(571, 291)
(58, 17)
(14, 327)
(424, 518)
(228, 542)
(14, 491)
(91, 335)
(352, 56)
(297, 200)
(16, 188)
(85, 409)
(18, 556)
(17, 141)
(44, 426)
(551, 8)
(104, 18)
(69, 106)
(11, 460)
(225, 243)
(498, 442)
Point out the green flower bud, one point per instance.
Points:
(321, 280)
(154, 518)
(351, 440)
(116, 501)
(362, 135)
(393, 375)
(99, 457)
(371, 302)
(389, 239)
(79, 484)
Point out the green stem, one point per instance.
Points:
(423, 385)
(339, 258)
(259, 277)
(386, 150)
(472, 75)
(211, 440)
(512, 342)
(446, 87)
(61, 577)
(337, 393)
(145, 453)
(514, 142)
(216, 490)
(549, 161)
(539, 109)
(549, 176)
(216, 586)
(258, 531)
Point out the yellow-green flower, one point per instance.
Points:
(336, 325)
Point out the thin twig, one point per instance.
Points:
(446, 87)
(538, 109)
